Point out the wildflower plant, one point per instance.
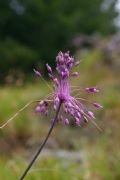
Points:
(67, 107)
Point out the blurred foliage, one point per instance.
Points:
(96, 164)
(32, 31)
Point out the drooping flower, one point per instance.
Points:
(73, 108)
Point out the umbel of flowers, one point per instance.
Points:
(73, 107)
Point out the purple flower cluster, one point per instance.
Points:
(73, 108)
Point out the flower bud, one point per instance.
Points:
(37, 73)
(92, 90)
(49, 68)
(37, 109)
(91, 114)
(67, 121)
(77, 63)
(97, 105)
(75, 74)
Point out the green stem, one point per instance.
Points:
(41, 146)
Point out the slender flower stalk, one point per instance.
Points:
(42, 145)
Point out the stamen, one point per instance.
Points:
(94, 123)
(83, 99)
(23, 108)
(50, 87)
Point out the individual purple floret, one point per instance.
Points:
(75, 74)
(72, 107)
(67, 121)
(97, 105)
(92, 90)
(37, 109)
(77, 63)
(49, 68)
(37, 73)
(91, 114)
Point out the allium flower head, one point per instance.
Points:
(73, 108)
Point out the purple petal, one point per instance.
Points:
(55, 107)
(91, 114)
(49, 68)
(67, 121)
(97, 105)
(41, 102)
(56, 82)
(77, 121)
(37, 73)
(92, 90)
(37, 109)
(56, 101)
(77, 63)
(78, 114)
(75, 74)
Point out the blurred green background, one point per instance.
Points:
(31, 34)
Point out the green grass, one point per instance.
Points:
(49, 167)
(97, 162)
